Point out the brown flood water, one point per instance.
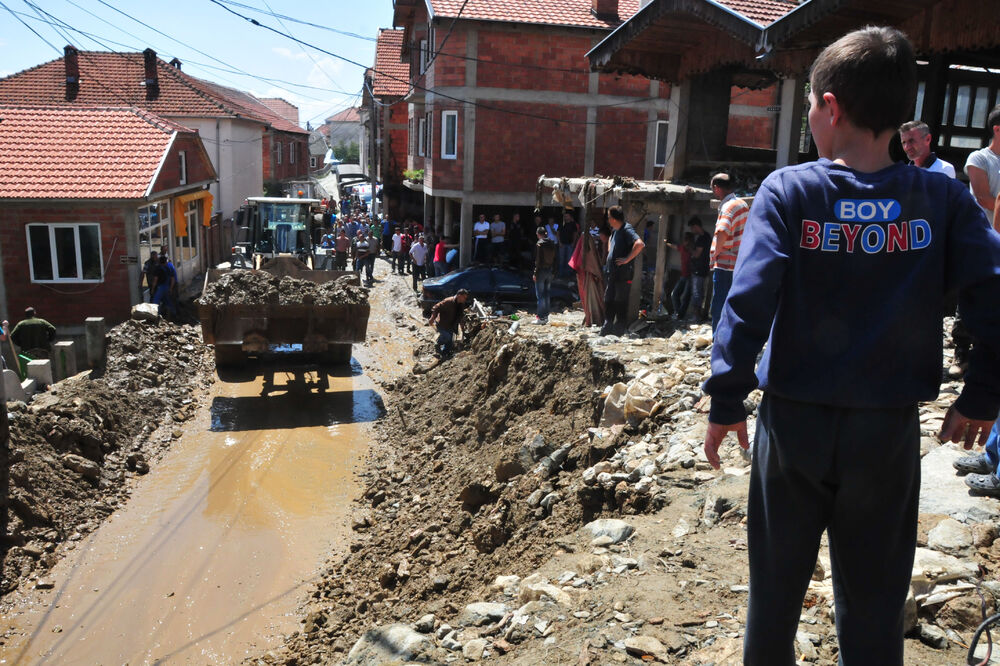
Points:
(207, 561)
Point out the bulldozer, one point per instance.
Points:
(280, 236)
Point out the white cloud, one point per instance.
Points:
(288, 53)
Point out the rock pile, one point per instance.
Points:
(248, 287)
(73, 448)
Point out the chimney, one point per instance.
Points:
(606, 10)
(152, 79)
(72, 64)
(175, 63)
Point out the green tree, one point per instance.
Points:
(349, 153)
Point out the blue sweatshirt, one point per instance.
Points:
(844, 275)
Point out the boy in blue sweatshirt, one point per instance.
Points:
(843, 269)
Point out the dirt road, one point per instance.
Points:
(219, 544)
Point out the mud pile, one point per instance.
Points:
(451, 502)
(244, 287)
(74, 447)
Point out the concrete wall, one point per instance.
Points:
(234, 147)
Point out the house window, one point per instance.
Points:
(186, 246)
(449, 135)
(154, 230)
(312, 162)
(422, 137)
(277, 152)
(429, 131)
(184, 167)
(423, 56)
(291, 153)
(65, 252)
(661, 143)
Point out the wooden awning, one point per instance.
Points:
(673, 40)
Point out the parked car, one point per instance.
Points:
(492, 286)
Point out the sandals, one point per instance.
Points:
(977, 464)
(984, 484)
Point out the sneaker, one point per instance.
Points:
(984, 484)
(976, 464)
(539, 321)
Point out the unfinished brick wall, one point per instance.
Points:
(65, 304)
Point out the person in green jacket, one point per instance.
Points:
(33, 335)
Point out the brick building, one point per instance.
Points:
(504, 93)
(85, 194)
(384, 114)
(248, 142)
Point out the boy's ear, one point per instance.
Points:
(831, 107)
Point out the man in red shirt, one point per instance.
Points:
(725, 241)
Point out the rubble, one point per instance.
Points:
(74, 448)
(247, 287)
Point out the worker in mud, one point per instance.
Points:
(149, 269)
(33, 335)
(447, 315)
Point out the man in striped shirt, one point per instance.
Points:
(725, 241)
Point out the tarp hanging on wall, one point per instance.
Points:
(180, 205)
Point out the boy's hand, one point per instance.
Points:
(716, 433)
(958, 428)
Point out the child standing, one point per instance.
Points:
(844, 266)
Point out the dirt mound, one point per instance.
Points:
(74, 447)
(244, 287)
(471, 482)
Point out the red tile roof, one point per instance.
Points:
(762, 12)
(346, 116)
(282, 107)
(392, 75)
(116, 79)
(80, 152)
(551, 12)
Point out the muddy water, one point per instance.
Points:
(209, 558)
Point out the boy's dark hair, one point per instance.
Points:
(993, 120)
(695, 221)
(462, 292)
(688, 236)
(540, 231)
(873, 75)
(617, 213)
(723, 180)
(915, 125)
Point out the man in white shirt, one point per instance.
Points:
(498, 234)
(983, 168)
(397, 252)
(481, 234)
(418, 251)
(916, 139)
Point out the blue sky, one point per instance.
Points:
(201, 25)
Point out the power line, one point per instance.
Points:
(229, 69)
(310, 55)
(479, 105)
(447, 34)
(270, 12)
(174, 39)
(18, 18)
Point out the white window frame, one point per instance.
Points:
(184, 166)
(421, 137)
(429, 141)
(661, 126)
(423, 56)
(54, 256)
(277, 152)
(445, 155)
(312, 161)
(291, 153)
